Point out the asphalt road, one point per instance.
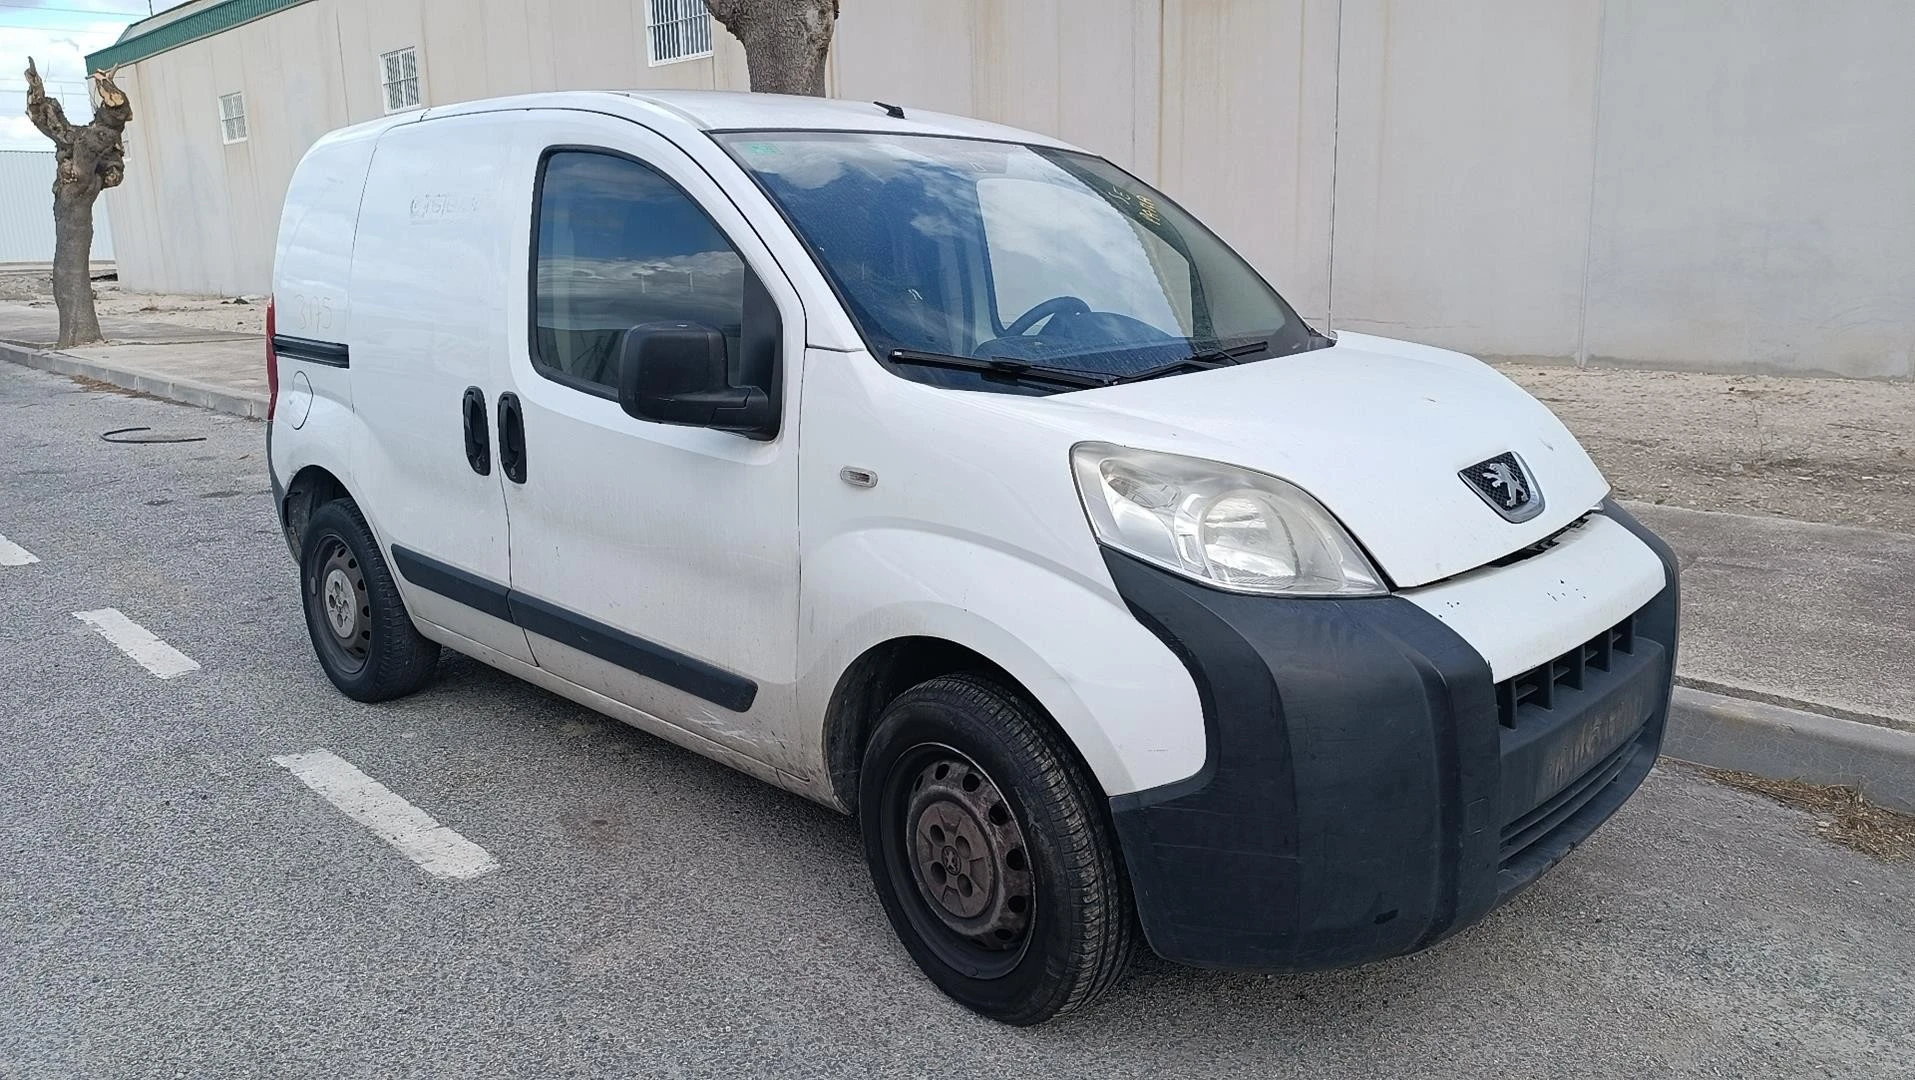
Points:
(173, 903)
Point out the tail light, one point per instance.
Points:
(272, 363)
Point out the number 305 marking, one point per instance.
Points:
(312, 313)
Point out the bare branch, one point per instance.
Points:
(114, 110)
(46, 112)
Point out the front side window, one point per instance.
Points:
(232, 118)
(399, 79)
(619, 245)
(991, 251)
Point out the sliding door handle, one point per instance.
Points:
(511, 438)
(478, 432)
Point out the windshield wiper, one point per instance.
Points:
(1201, 360)
(1004, 366)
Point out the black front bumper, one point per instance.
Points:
(1368, 787)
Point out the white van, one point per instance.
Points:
(952, 477)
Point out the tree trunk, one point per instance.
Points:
(89, 160)
(786, 41)
(73, 269)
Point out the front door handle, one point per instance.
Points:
(478, 432)
(511, 438)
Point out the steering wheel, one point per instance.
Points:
(1056, 305)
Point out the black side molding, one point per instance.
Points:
(329, 353)
(650, 659)
(453, 583)
(635, 654)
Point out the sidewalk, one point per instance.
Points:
(1798, 655)
(215, 369)
(1796, 613)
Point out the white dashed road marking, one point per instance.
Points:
(139, 643)
(438, 850)
(12, 554)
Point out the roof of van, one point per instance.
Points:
(725, 110)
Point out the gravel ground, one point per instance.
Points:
(1840, 451)
(205, 312)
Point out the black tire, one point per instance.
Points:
(955, 909)
(370, 651)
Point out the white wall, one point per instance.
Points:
(1755, 187)
(1720, 184)
(1464, 157)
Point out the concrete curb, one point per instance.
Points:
(1789, 744)
(184, 391)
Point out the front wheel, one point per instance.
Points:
(991, 852)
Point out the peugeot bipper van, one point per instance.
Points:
(955, 478)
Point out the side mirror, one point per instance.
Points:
(676, 373)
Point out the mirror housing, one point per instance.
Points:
(676, 373)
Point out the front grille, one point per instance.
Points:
(1539, 686)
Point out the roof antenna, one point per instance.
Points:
(895, 112)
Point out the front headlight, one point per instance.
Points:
(1219, 524)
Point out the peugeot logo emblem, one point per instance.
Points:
(1506, 485)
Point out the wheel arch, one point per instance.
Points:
(880, 675)
(310, 488)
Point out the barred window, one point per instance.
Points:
(232, 118)
(678, 30)
(399, 78)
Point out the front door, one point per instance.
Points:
(655, 564)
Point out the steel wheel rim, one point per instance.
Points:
(961, 861)
(341, 606)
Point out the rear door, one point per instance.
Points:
(655, 564)
(441, 228)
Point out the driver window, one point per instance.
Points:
(619, 245)
(1047, 240)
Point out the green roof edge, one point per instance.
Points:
(200, 24)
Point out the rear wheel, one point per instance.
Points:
(360, 631)
(991, 853)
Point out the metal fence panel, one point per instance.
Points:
(26, 210)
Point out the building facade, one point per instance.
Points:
(1708, 184)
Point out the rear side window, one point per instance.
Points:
(619, 245)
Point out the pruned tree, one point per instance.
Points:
(785, 41)
(90, 159)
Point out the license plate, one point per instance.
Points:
(1599, 735)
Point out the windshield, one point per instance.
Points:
(1032, 258)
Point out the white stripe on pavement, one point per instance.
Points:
(12, 554)
(438, 850)
(139, 643)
